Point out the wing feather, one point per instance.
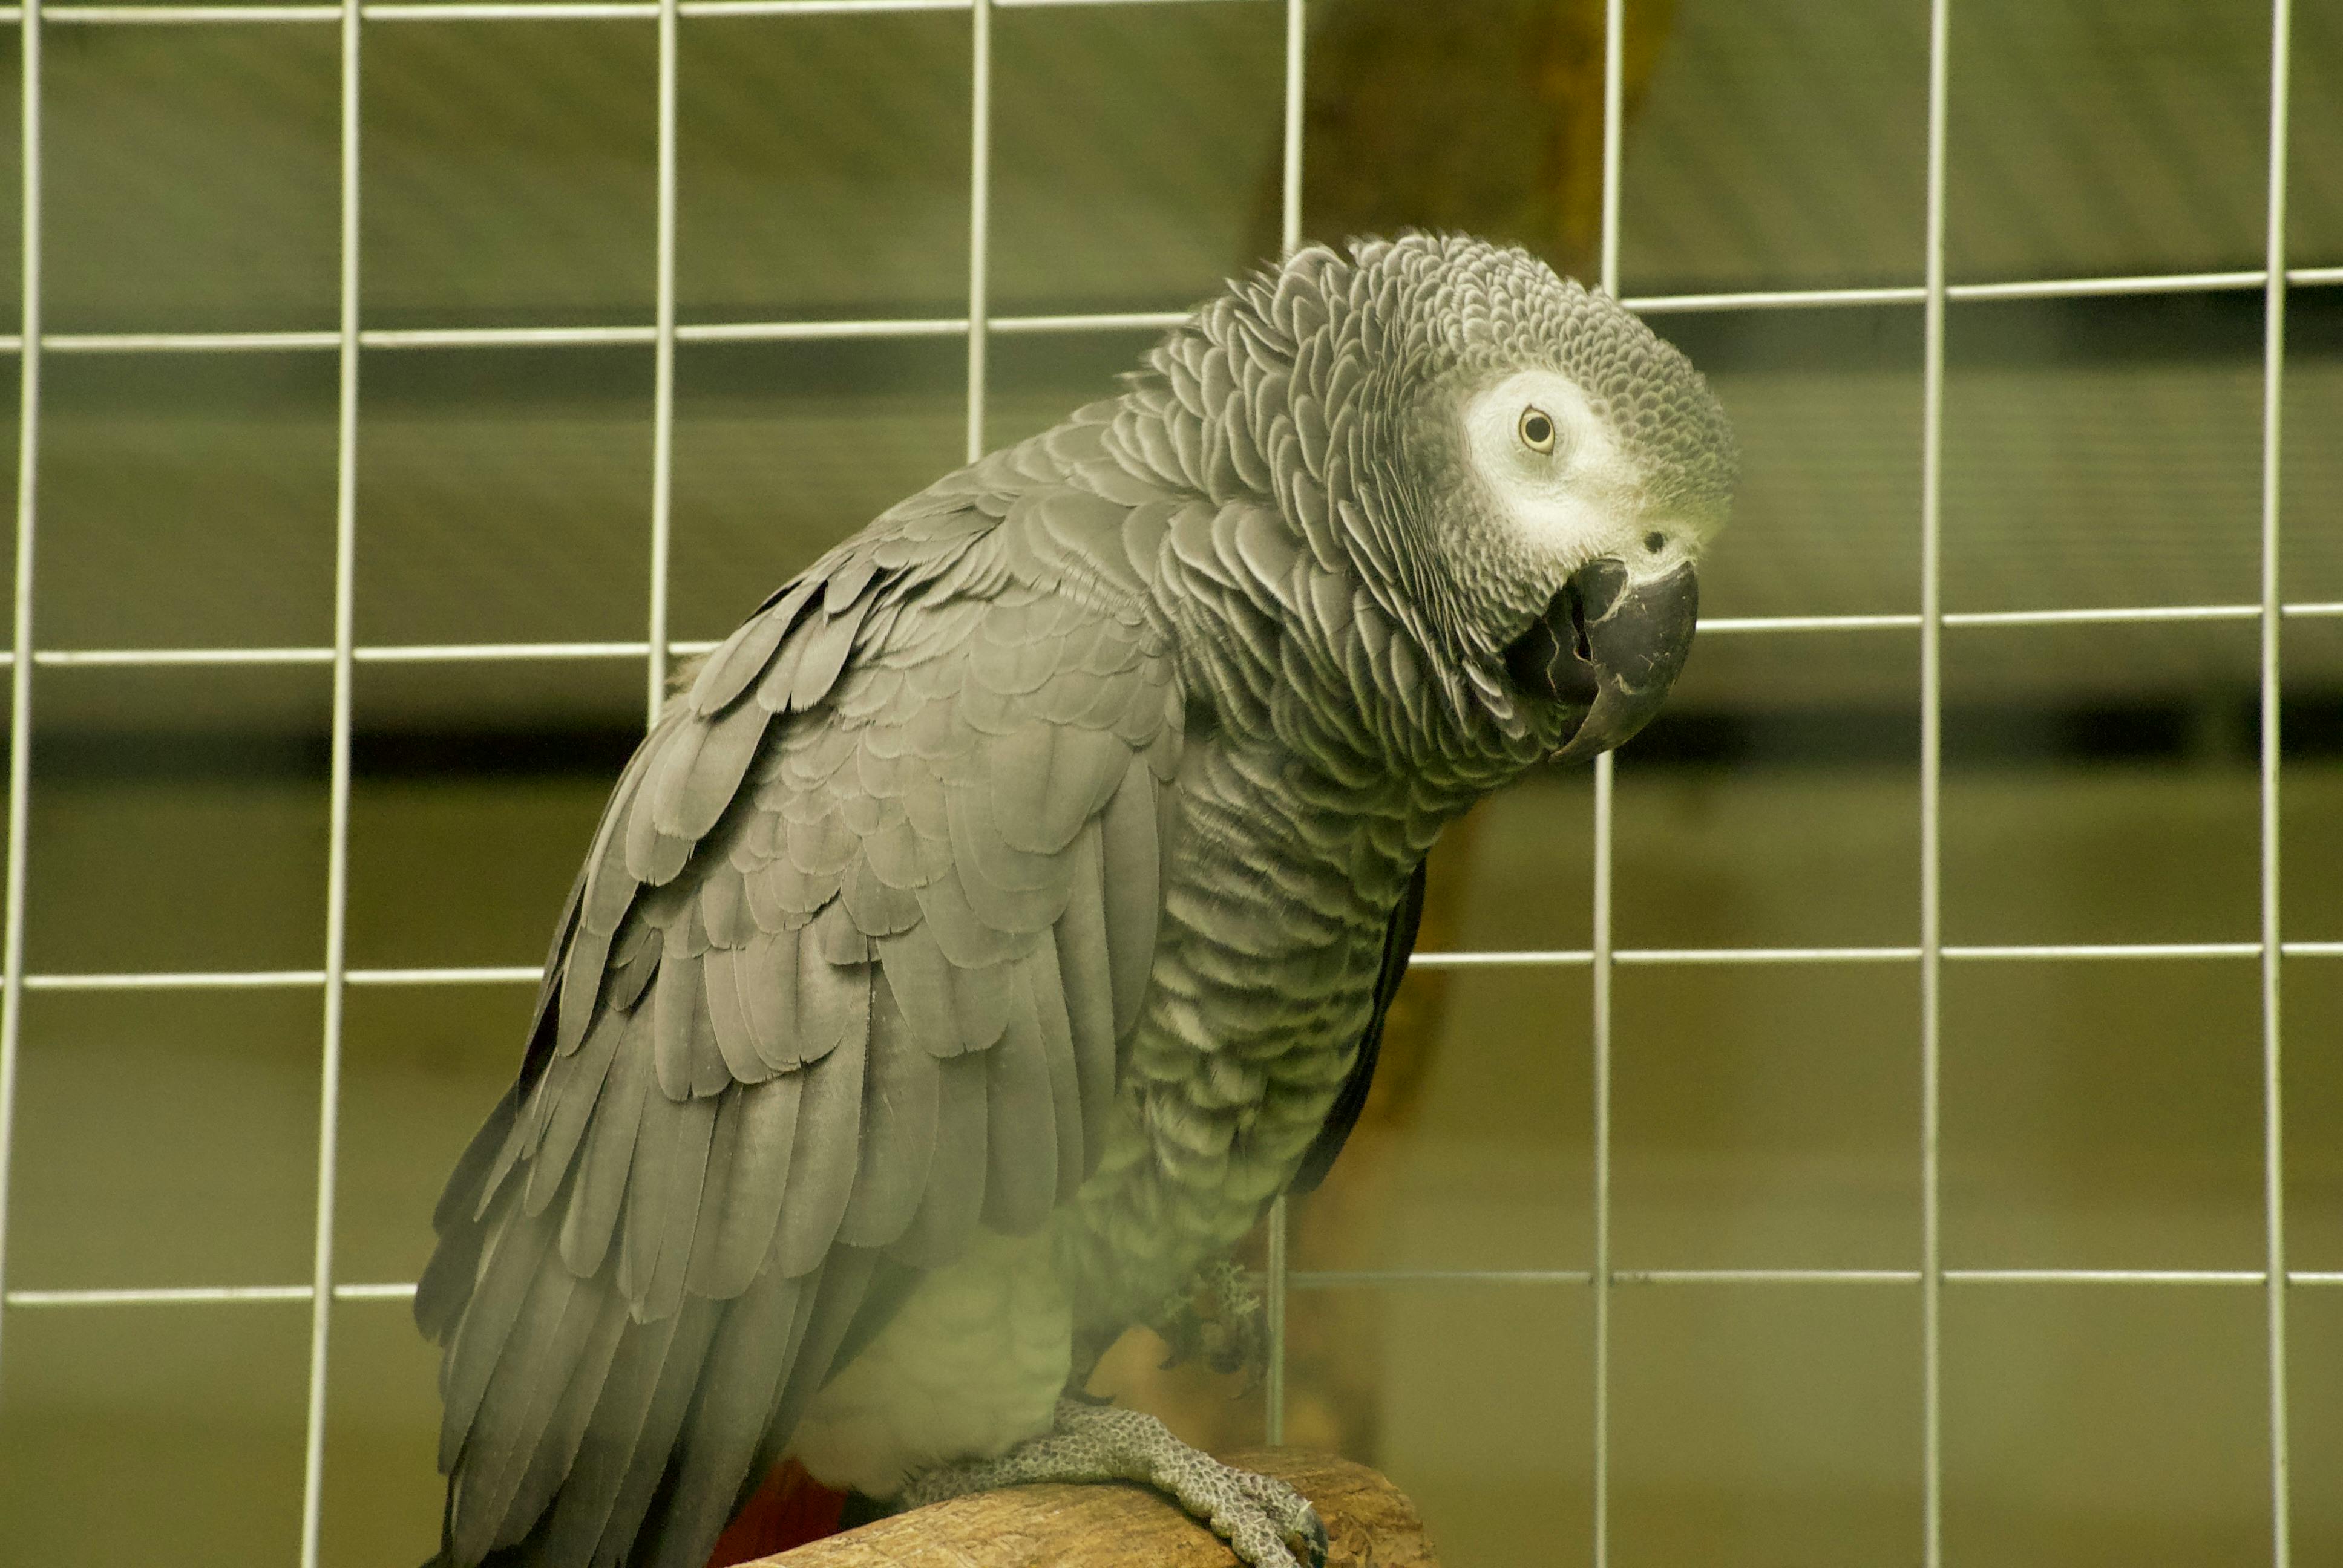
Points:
(847, 974)
(1022, 1159)
(742, 1236)
(823, 1164)
(954, 1199)
(898, 1131)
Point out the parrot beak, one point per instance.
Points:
(1611, 645)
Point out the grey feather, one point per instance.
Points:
(721, 973)
(504, 1289)
(609, 1150)
(732, 1247)
(569, 1110)
(827, 1152)
(663, 1197)
(919, 981)
(1041, 1003)
(744, 655)
(1085, 979)
(954, 1198)
(1130, 868)
(833, 1003)
(548, 1339)
(747, 1368)
(565, 1425)
(1021, 1150)
(898, 1131)
(686, 800)
(684, 1046)
(629, 1438)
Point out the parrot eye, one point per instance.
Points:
(1536, 430)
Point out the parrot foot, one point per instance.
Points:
(1268, 1523)
(1231, 1336)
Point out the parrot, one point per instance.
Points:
(991, 928)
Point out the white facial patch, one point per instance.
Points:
(1555, 466)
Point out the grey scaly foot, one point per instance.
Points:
(1268, 1523)
(1231, 1336)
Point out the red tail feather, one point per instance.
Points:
(790, 1509)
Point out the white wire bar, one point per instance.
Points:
(1289, 240)
(1560, 958)
(2272, 948)
(519, 10)
(20, 714)
(980, 214)
(1335, 1280)
(647, 334)
(663, 376)
(1601, 958)
(1932, 715)
(338, 837)
(522, 652)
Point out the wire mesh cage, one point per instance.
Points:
(1854, 1125)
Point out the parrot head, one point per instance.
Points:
(1554, 471)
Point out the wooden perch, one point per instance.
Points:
(1368, 1522)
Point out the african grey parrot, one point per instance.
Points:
(1007, 912)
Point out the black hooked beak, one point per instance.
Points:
(1610, 645)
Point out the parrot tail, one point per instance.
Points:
(788, 1510)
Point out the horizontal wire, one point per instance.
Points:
(392, 653)
(1712, 626)
(1334, 1279)
(2125, 616)
(2061, 951)
(513, 10)
(198, 979)
(1766, 1276)
(1340, 1279)
(1766, 955)
(2111, 1277)
(203, 1295)
(483, 974)
(143, 657)
(530, 974)
(1536, 959)
(495, 652)
(949, 325)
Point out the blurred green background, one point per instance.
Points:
(2099, 784)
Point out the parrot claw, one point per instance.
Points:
(1265, 1521)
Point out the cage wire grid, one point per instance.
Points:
(1601, 957)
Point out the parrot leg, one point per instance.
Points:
(1268, 1524)
(1233, 1335)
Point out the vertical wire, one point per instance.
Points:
(1932, 957)
(338, 843)
(20, 675)
(1605, 784)
(2273, 1096)
(980, 213)
(663, 368)
(1289, 240)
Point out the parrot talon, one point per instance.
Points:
(1266, 1523)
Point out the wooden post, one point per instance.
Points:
(1368, 1522)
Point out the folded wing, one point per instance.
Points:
(846, 975)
